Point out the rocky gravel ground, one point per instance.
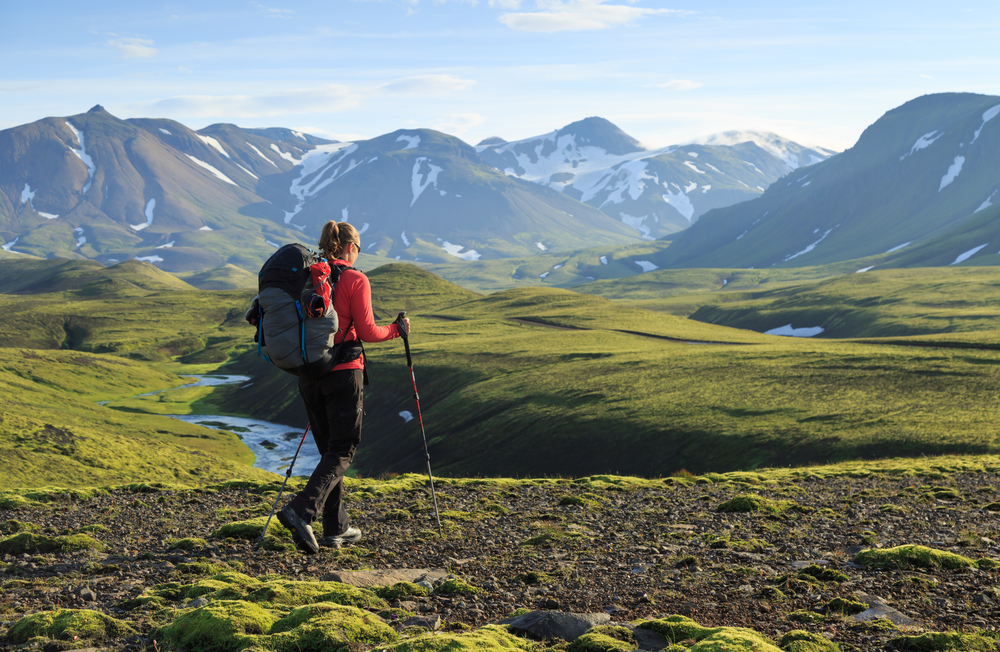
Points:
(772, 557)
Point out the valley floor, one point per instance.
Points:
(636, 549)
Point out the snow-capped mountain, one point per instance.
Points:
(660, 191)
(791, 154)
(94, 186)
(920, 187)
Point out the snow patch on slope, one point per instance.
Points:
(150, 205)
(149, 259)
(166, 246)
(82, 154)
(213, 143)
(969, 254)
(455, 250)
(636, 223)
(261, 154)
(164, 131)
(313, 173)
(419, 183)
(27, 195)
(646, 266)
(411, 141)
(788, 331)
(211, 169)
(953, 172)
(898, 247)
(680, 203)
(80, 240)
(989, 115)
(6, 247)
(285, 155)
(986, 204)
(923, 142)
(809, 248)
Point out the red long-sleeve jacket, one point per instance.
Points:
(353, 302)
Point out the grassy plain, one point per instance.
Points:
(877, 303)
(54, 432)
(542, 381)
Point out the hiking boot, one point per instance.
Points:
(350, 535)
(302, 532)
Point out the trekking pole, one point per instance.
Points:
(420, 418)
(288, 474)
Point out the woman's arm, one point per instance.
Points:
(360, 293)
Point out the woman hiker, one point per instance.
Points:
(334, 401)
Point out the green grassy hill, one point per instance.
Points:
(878, 303)
(227, 277)
(86, 277)
(53, 432)
(544, 381)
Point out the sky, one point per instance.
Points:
(666, 72)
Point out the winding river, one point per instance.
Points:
(273, 444)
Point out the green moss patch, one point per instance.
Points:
(456, 585)
(754, 503)
(491, 638)
(10, 501)
(65, 624)
(224, 625)
(845, 607)
(189, 543)
(798, 640)
(13, 527)
(709, 639)
(821, 574)
(250, 529)
(400, 590)
(945, 642)
(605, 639)
(27, 542)
(288, 593)
(912, 556)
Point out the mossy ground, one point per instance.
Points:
(651, 524)
(912, 556)
(69, 624)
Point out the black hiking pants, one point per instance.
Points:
(333, 404)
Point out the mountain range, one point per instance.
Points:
(661, 191)
(94, 186)
(920, 188)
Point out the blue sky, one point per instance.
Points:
(665, 72)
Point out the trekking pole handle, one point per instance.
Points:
(405, 336)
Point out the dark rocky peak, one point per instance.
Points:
(598, 132)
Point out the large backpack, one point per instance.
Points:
(294, 314)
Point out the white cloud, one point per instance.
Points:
(318, 99)
(133, 48)
(678, 85)
(509, 5)
(577, 15)
(425, 84)
(458, 124)
(275, 12)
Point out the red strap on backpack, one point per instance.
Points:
(319, 303)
